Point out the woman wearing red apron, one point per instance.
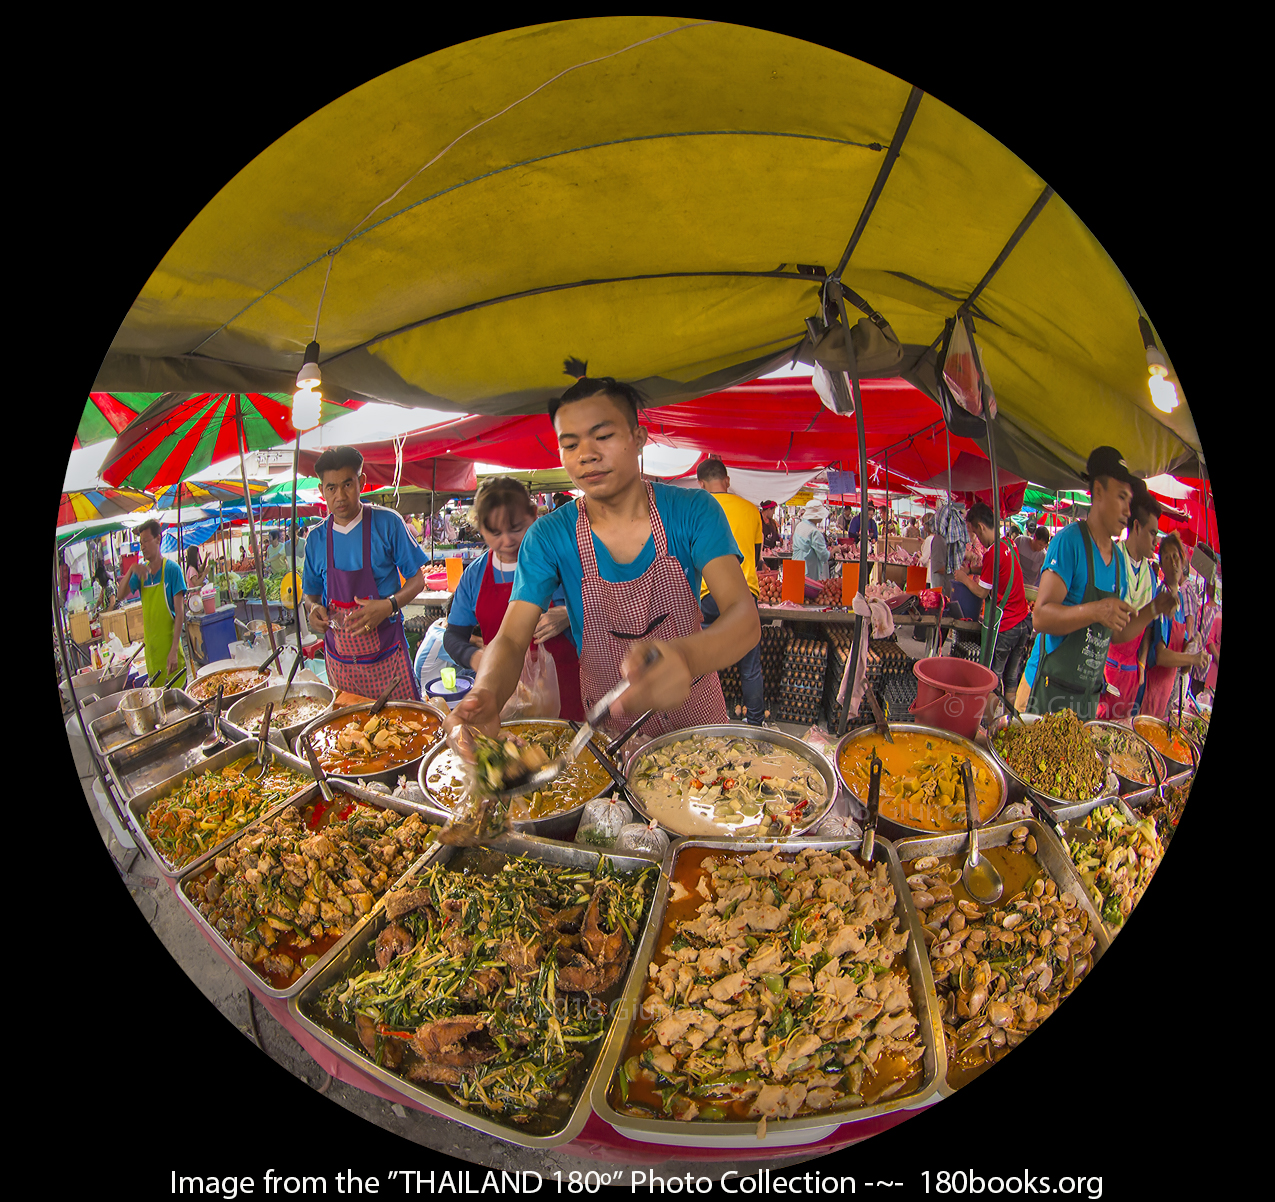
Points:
(365, 647)
(1171, 634)
(502, 513)
(629, 557)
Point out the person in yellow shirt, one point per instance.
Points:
(745, 524)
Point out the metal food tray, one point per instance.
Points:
(312, 794)
(559, 825)
(1050, 855)
(137, 806)
(1073, 823)
(1181, 772)
(808, 1128)
(1057, 804)
(387, 776)
(110, 732)
(258, 699)
(761, 734)
(304, 1005)
(1137, 793)
(892, 827)
(150, 760)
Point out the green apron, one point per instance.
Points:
(157, 628)
(1072, 675)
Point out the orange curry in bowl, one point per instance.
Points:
(356, 745)
(1166, 741)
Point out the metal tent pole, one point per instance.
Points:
(252, 527)
(296, 583)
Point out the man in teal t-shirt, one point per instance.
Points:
(629, 557)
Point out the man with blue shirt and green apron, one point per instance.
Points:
(163, 608)
(1080, 604)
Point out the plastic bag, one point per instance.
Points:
(602, 821)
(537, 693)
(641, 839)
(960, 371)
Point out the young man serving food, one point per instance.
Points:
(629, 557)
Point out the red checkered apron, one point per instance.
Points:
(617, 614)
(365, 662)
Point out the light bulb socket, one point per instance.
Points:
(1155, 362)
(310, 376)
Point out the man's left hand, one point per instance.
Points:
(371, 614)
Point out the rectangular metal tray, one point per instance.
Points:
(808, 1128)
(1073, 823)
(308, 797)
(1051, 856)
(110, 733)
(138, 805)
(138, 766)
(304, 1005)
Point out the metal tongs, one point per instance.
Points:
(319, 775)
(216, 739)
(264, 666)
(263, 738)
(882, 725)
(867, 848)
(379, 704)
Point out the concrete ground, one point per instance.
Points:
(223, 988)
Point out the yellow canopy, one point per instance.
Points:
(659, 198)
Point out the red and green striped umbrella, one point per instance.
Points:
(207, 492)
(93, 503)
(107, 413)
(180, 435)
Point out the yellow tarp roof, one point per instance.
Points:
(645, 194)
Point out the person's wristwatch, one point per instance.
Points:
(395, 607)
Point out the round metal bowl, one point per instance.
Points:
(561, 825)
(892, 828)
(741, 730)
(204, 693)
(1127, 783)
(1173, 766)
(1111, 787)
(256, 702)
(143, 710)
(387, 776)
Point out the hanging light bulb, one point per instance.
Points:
(307, 401)
(1164, 393)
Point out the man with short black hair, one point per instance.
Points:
(1031, 554)
(163, 593)
(1080, 606)
(630, 557)
(856, 524)
(351, 583)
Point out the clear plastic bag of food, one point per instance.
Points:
(537, 693)
(641, 839)
(602, 821)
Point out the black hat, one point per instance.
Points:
(1107, 461)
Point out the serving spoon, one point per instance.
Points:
(216, 739)
(867, 849)
(979, 875)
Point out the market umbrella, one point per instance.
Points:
(662, 199)
(107, 413)
(208, 492)
(100, 503)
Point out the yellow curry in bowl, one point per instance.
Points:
(922, 786)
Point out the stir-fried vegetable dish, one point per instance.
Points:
(292, 712)
(1116, 867)
(922, 783)
(232, 682)
(288, 890)
(210, 807)
(1054, 755)
(778, 989)
(720, 786)
(1125, 753)
(487, 983)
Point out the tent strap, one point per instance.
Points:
(1041, 201)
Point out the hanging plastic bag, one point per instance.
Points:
(960, 371)
(641, 839)
(537, 693)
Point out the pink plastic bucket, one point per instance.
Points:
(951, 693)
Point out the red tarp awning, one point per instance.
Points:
(765, 425)
(1193, 507)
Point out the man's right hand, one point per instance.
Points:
(318, 618)
(1113, 613)
(479, 709)
(1166, 601)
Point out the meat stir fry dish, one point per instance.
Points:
(1054, 755)
(285, 893)
(482, 983)
(356, 744)
(999, 970)
(737, 787)
(1118, 865)
(205, 809)
(781, 993)
(232, 681)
